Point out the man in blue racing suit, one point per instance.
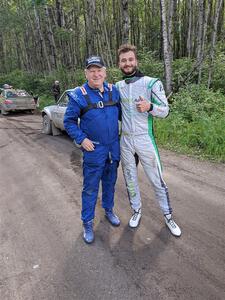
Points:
(96, 105)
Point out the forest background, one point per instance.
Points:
(180, 41)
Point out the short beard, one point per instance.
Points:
(130, 73)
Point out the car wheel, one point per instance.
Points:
(3, 112)
(46, 125)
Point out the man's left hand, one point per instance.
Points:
(143, 105)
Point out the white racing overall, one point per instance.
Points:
(137, 137)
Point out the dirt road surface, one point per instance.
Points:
(43, 256)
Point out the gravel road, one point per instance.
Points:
(43, 256)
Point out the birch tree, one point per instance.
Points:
(125, 18)
(41, 40)
(213, 42)
(53, 58)
(202, 54)
(61, 33)
(166, 49)
(200, 33)
(60, 13)
(189, 34)
(90, 25)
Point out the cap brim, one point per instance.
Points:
(94, 64)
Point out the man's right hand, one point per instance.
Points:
(88, 145)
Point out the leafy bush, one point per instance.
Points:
(195, 100)
(150, 66)
(181, 69)
(218, 80)
(195, 124)
(114, 75)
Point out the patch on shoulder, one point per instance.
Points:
(161, 88)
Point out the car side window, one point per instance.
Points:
(64, 100)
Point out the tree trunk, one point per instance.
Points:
(90, 25)
(189, 35)
(213, 42)
(170, 29)
(202, 54)
(125, 17)
(77, 37)
(60, 14)
(2, 55)
(166, 51)
(41, 40)
(31, 30)
(53, 56)
(200, 29)
(28, 50)
(107, 38)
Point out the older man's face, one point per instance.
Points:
(95, 76)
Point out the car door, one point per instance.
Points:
(59, 111)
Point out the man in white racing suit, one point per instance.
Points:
(142, 98)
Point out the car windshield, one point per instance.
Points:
(16, 93)
(63, 100)
(11, 94)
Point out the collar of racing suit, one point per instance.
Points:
(133, 77)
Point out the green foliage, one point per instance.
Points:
(149, 65)
(79, 77)
(184, 66)
(218, 80)
(63, 34)
(181, 69)
(195, 124)
(30, 82)
(114, 75)
(45, 101)
(194, 101)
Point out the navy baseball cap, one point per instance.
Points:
(94, 61)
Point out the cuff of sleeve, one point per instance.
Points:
(80, 139)
(76, 144)
(151, 108)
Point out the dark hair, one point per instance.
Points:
(126, 48)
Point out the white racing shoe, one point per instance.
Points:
(173, 227)
(135, 219)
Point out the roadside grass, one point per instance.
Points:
(196, 124)
(204, 139)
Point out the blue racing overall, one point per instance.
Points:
(94, 115)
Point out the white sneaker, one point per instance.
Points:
(173, 227)
(135, 219)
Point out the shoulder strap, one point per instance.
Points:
(99, 104)
(85, 94)
(110, 91)
(110, 86)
